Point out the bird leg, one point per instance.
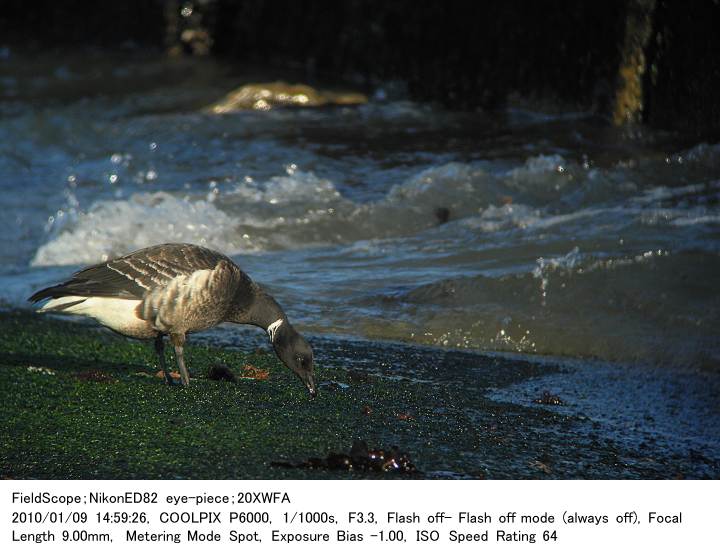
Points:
(178, 340)
(160, 350)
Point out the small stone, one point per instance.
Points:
(549, 399)
(219, 372)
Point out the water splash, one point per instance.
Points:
(545, 267)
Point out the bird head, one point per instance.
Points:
(295, 352)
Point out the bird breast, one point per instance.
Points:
(189, 302)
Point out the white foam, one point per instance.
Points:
(300, 209)
(112, 228)
(286, 190)
(493, 219)
(297, 209)
(697, 220)
(541, 165)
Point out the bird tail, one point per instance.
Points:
(52, 291)
(59, 299)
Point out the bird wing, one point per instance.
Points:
(133, 276)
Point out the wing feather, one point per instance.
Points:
(133, 276)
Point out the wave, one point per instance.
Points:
(300, 209)
(297, 209)
(547, 257)
(654, 307)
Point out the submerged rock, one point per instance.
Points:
(549, 399)
(442, 214)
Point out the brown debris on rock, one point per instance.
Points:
(254, 373)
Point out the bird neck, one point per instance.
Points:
(267, 314)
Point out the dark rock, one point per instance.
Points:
(221, 372)
(442, 214)
(549, 399)
(359, 377)
(359, 451)
(360, 459)
(94, 376)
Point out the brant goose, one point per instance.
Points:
(174, 289)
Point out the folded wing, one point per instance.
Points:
(136, 274)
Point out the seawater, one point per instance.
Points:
(529, 232)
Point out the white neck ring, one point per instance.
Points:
(272, 329)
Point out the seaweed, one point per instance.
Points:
(359, 458)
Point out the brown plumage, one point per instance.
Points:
(174, 289)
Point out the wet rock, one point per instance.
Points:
(360, 458)
(265, 96)
(442, 214)
(221, 372)
(359, 451)
(338, 461)
(359, 377)
(549, 399)
(333, 385)
(542, 466)
(697, 456)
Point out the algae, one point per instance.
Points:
(79, 402)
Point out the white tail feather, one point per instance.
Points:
(116, 314)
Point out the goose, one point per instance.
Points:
(172, 290)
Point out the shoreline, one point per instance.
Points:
(80, 403)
